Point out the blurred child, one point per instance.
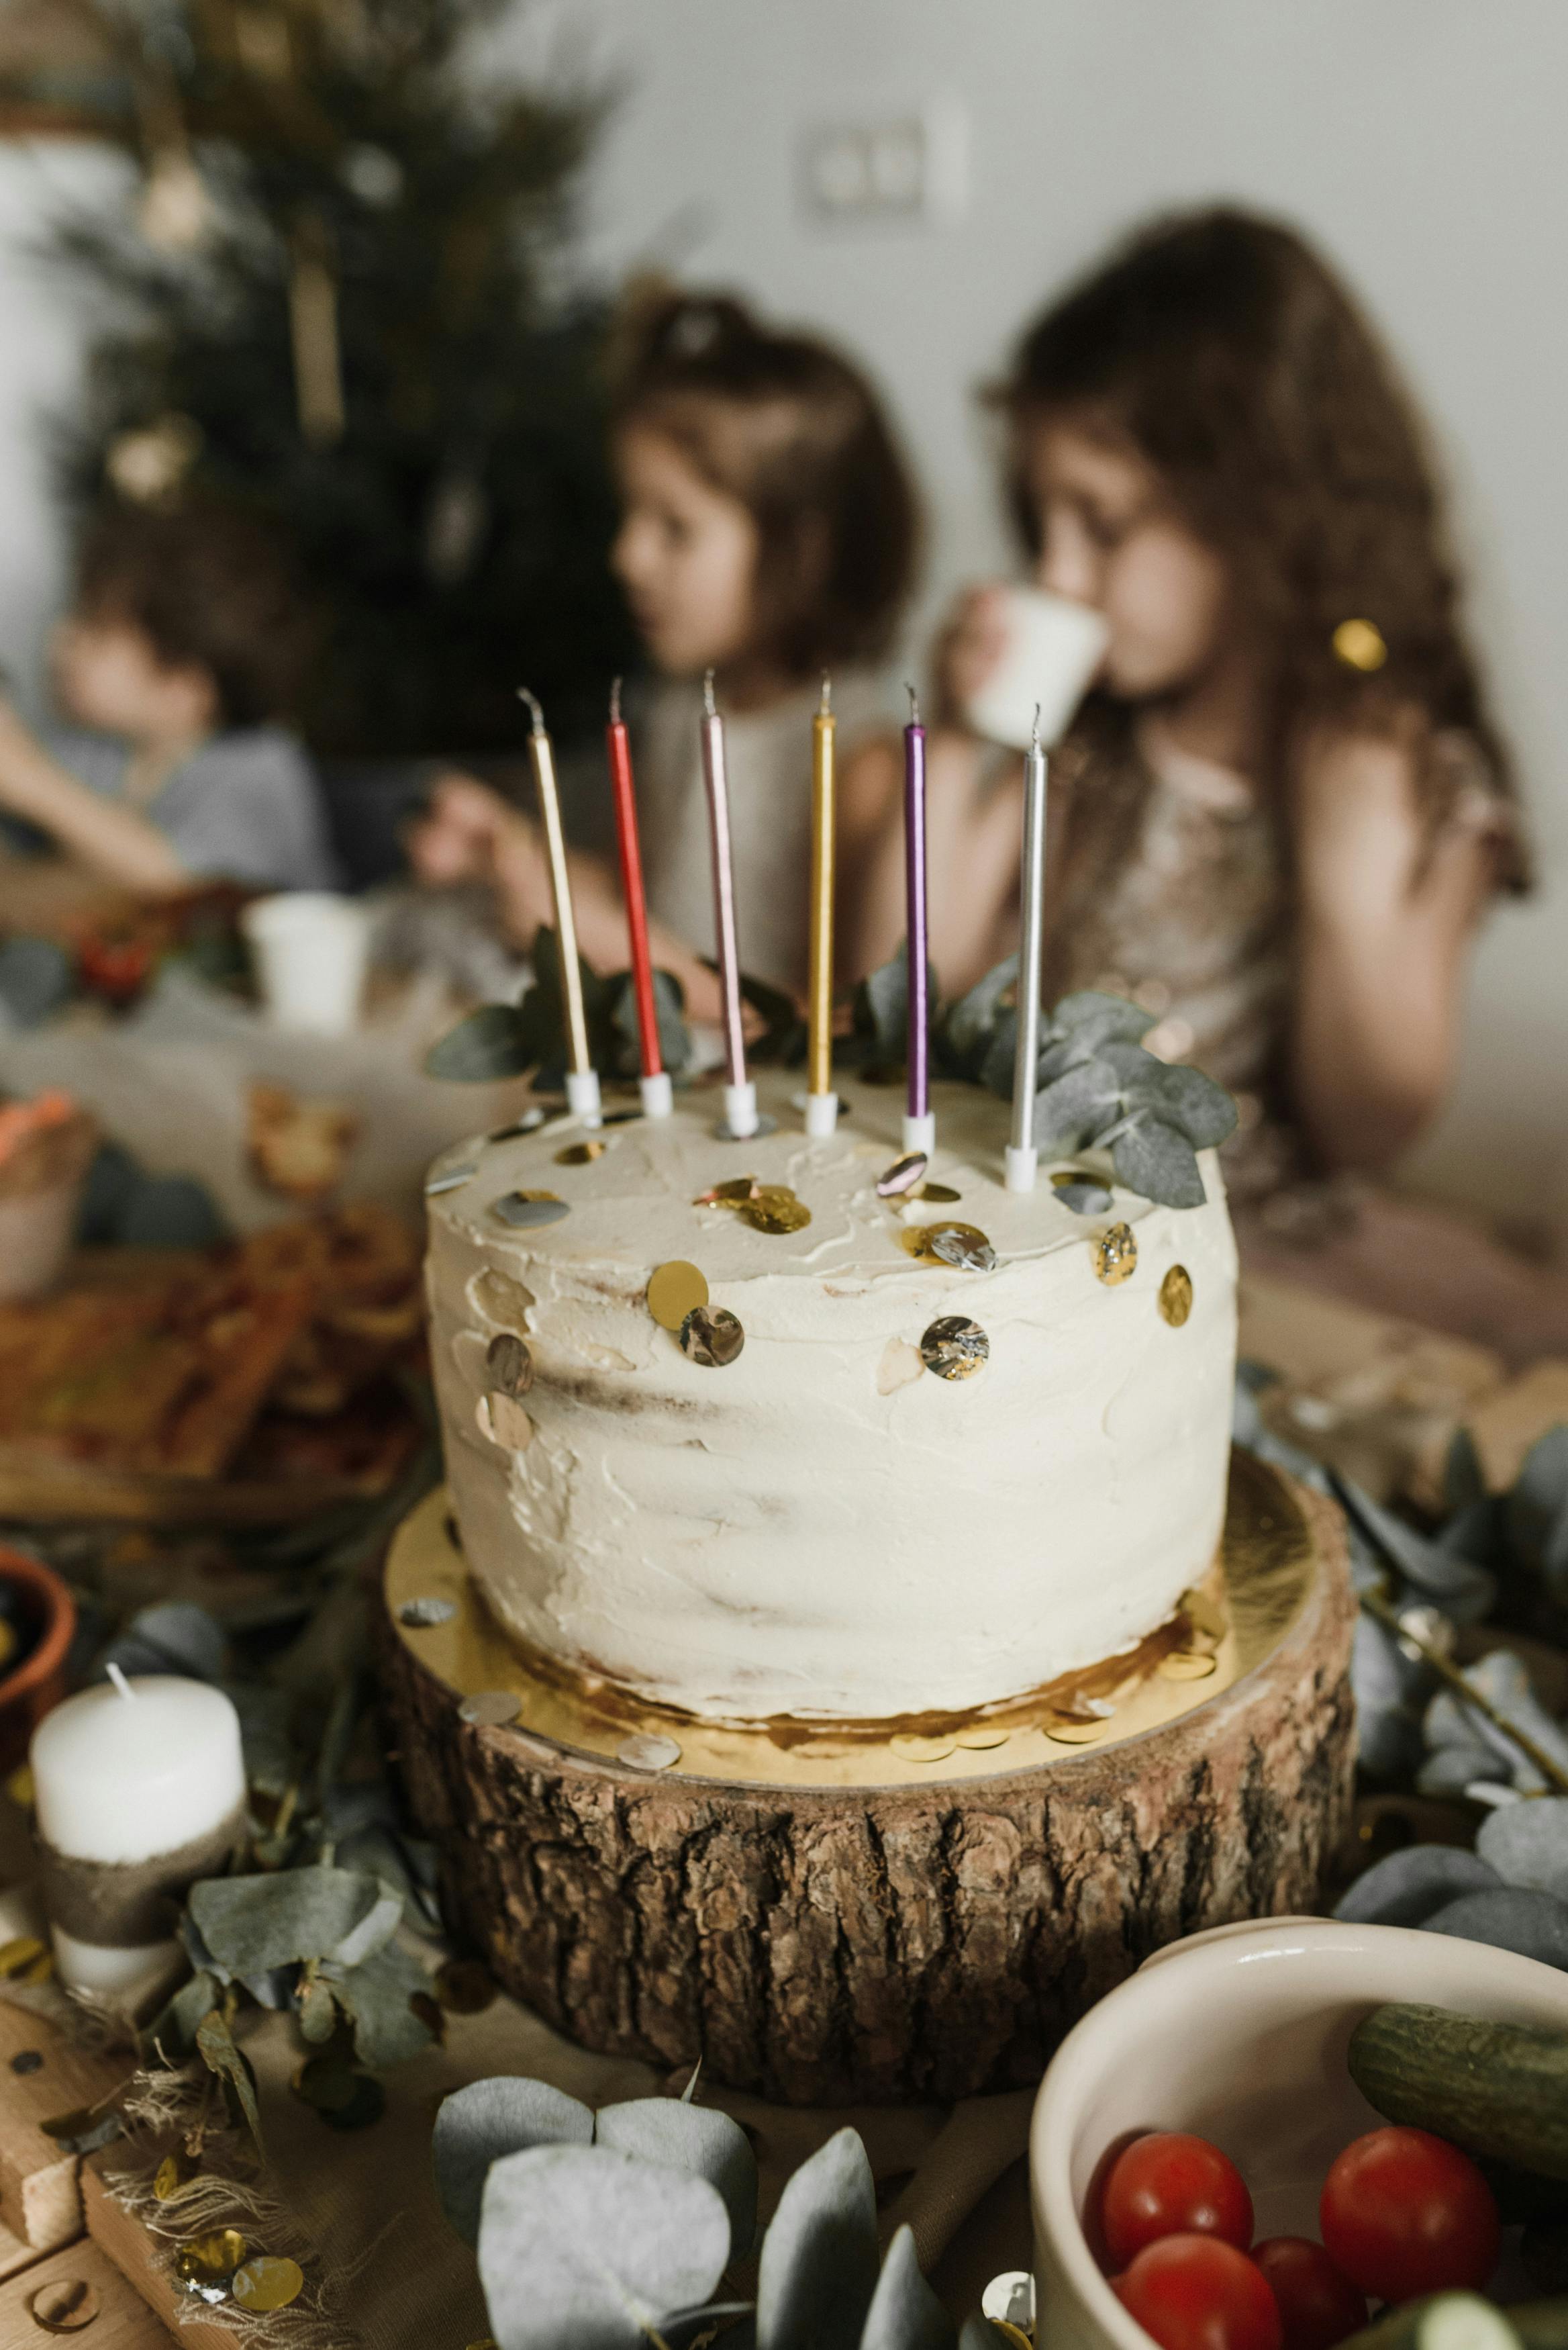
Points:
(1283, 807)
(180, 651)
(768, 532)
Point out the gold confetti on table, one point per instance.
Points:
(1116, 1254)
(1176, 1295)
(206, 2259)
(173, 2173)
(674, 1291)
(267, 2282)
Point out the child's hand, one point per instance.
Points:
(970, 643)
(456, 838)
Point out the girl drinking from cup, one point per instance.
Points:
(768, 533)
(1284, 805)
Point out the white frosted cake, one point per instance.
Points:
(828, 1526)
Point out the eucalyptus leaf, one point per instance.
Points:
(176, 1636)
(978, 2334)
(1159, 1161)
(1072, 1108)
(377, 1994)
(970, 1023)
(371, 1932)
(905, 2313)
(1464, 1481)
(818, 2268)
(1537, 1508)
(1092, 1018)
(273, 1990)
(85, 2130)
(215, 2046)
(172, 2029)
(317, 2011)
(1187, 1099)
(999, 1066)
(882, 1008)
(699, 2139)
(689, 2328)
(490, 1042)
(171, 1212)
(581, 2248)
(476, 2126)
(1465, 1592)
(250, 1923)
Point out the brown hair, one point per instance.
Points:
(1225, 351)
(210, 586)
(783, 424)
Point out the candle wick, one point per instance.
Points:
(710, 706)
(121, 1684)
(827, 696)
(1035, 730)
(536, 714)
(914, 706)
(615, 703)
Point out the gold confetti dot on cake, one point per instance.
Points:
(776, 1210)
(452, 1180)
(674, 1291)
(963, 1245)
(1359, 644)
(1187, 1664)
(1116, 1254)
(912, 1749)
(954, 1347)
(509, 1364)
(942, 1193)
(915, 1240)
(490, 1709)
(1176, 1297)
(713, 1336)
(732, 1193)
(646, 1751)
(903, 1175)
(268, 2283)
(982, 1736)
(1068, 1730)
(1203, 1614)
(581, 1154)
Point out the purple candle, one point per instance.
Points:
(918, 1120)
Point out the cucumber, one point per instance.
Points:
(1498, 2089)
(1447, 2321)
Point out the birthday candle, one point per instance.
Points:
(1021, 1157)
(920, 1126)
(821, 1101)
(140, 1789)
(740, 1093)
(582, 1082)
(657, 1097)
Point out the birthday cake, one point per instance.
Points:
(778, 1430)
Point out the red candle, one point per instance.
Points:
(618, 743)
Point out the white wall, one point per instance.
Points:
(1420, 140)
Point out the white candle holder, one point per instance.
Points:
(820, 1116)
(583, 1097)
(920, 1133)
(741, 1111)
(658, 1095)
(1023, 1166)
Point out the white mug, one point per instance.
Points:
(1053, 648)
(311, 950)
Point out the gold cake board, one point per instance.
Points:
(1261, 1577)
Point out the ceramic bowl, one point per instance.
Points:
(1239, 2035)
(46, 1613)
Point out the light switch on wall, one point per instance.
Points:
(909, 167)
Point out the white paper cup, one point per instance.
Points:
(310, 949)
(1053, 650)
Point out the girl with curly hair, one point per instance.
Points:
(1284, 805)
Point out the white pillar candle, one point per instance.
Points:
(139, 1788)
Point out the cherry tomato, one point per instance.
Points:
(1404, 2213)
(1318, 2308)
(1197, 2292)
(1171, 2184)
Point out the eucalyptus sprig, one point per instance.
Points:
(615, 2230)
(508, 1040)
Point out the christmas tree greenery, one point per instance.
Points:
(338, 296)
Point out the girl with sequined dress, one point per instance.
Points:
(1284, 807)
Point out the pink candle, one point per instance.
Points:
(740, 1096)
(917, 1122)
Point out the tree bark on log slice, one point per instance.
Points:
(824, 1946)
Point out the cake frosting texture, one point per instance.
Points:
(823, 1528)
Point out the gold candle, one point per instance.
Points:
(822, 1106)
(582, 1083)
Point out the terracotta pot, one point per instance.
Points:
(47, 1619)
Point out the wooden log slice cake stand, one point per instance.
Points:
(829, 1918)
